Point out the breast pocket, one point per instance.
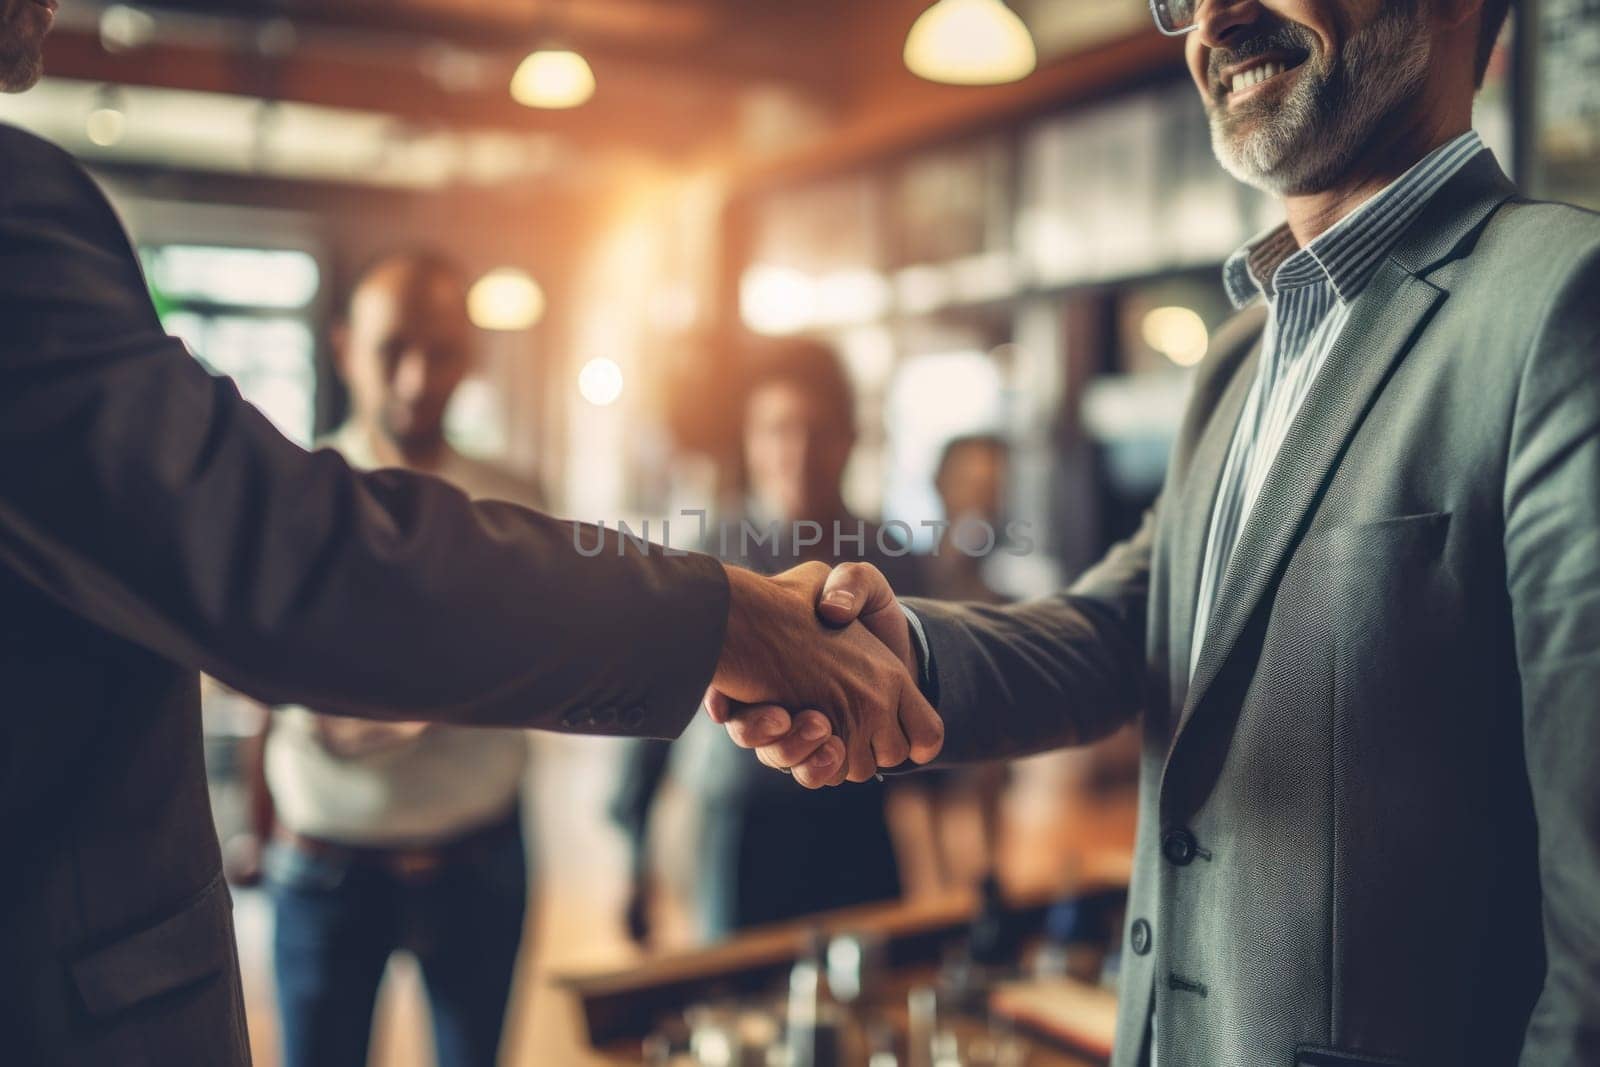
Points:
(1399, 542)
(1392, 605)
(1355, 592)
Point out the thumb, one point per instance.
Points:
(853, 590)
(859, 591)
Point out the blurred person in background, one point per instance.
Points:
(760, 835)
(971, 482)
(388, 836)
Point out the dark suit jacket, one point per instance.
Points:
(152, 524)
(1371, 825)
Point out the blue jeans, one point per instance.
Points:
(337, 922)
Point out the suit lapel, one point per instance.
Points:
(1380, 330)
(1190, 517)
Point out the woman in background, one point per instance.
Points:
(759, 832)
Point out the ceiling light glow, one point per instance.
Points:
(600, 382)
(970, 42)
(554, 79)
(506, 299)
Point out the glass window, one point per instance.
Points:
(250, 277)
(244, 313)
(932, 399)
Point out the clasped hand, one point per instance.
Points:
(836, 644)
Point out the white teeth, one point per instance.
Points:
(1256, 75)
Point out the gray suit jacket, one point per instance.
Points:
(1370, 827)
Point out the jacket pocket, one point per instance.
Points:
(1407, 537)
(192, 944)
(1311, 1056)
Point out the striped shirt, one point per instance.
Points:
(1309, 293)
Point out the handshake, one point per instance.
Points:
(818, 676)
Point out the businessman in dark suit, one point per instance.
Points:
(153, 524)
(1362, 623)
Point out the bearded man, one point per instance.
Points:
(1362, 623)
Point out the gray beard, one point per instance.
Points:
(20, 71)
(1306, 142)
(21, 66)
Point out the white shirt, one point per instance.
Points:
(439, 785)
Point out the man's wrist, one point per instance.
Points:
(739, 597)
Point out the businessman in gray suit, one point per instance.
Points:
(1362, 622)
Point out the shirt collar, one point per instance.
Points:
(1350, 252)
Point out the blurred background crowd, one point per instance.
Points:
(898, 262)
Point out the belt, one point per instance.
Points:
(406, 861)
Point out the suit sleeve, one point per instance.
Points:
(147, 497)
(1064, 670)
(1552, 542)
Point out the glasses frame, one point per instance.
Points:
(1155, 13)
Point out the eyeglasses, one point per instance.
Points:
(1174, 17)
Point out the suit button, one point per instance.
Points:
(1139, 937)
(572, 719)
(633, 718)
(1179, 847)
(604, 717)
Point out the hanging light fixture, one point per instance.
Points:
(970, 42)
(553, 78)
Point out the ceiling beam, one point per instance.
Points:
(686, 39)
(476, 22)
(629, 111)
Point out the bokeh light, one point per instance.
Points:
(1178, 333)
(506, 299)
(600, 382)
(970, 42)
(554, 79)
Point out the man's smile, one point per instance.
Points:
(1268, 72)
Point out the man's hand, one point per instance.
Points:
(870, 713)
(807, 744)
